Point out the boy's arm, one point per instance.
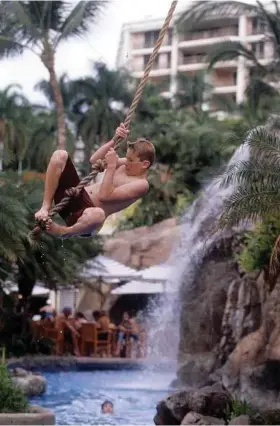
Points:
(126, 192)
(121, 132)
(102, 151)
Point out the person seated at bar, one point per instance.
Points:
(124, 327)
(79, 319)
(65, 324)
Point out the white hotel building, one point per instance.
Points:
(187, 53)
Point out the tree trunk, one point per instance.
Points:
(20, 167)
(48, 60)
(2, 134)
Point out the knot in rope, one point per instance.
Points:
(99, 165)
(41, 223)
(72, 192)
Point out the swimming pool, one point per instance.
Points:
(76, 396)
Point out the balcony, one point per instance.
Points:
(193, 59)
(155, 72)
(211, 33)
(147, 40)
(223, 90)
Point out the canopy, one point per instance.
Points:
(143, 287)
(157, 273)
(109, 270)
(37, 290)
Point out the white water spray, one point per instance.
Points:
(195, 240)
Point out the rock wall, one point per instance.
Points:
(219, 308)
(32, 384)
(144, 246)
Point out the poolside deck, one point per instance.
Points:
(52, 363)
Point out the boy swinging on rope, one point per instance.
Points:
(124, 182)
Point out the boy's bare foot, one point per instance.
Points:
(55, 229)
(42, 214)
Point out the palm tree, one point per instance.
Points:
(13, 221)
(15, 113)
(41, 27)
(49, 262)
(99, 105)
(192, 91)
(42, 140)
(255, 182)
(270, 21)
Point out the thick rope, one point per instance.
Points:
(150, 63)
(99, 166)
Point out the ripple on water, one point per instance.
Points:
(76, 396)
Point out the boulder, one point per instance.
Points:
(144, 246)
(271, 417)
(258, 385)
(193, 418)
(195, 370)
(244, 419)
(209, 401)
(32, 384)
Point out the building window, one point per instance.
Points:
(156, 61)
(235, 78)
(169, 36)
(151, 38)
(258, 26)
(168, 60)
(258, 49)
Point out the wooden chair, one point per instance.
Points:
(56, 337)
(104, 345)
(88, 337)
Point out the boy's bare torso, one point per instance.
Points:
(109, 208)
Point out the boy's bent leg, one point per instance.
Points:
(54, 170)
(91, 219)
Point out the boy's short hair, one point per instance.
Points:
(106, 403)
(144, 149)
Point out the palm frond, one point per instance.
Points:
(23, 18)
(271, 19)
(79, 21)
(10, 48)
(258, 89)
(264, 144)
(205, 10)
(47, 16)
(274, 263)
(44, 87)
(249, 205)
(228, 50)
(252, 172)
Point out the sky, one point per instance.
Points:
(76, 56)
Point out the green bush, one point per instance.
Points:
(12, 399)
(238, 408)
(258, 245)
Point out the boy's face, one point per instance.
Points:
(107, 408)
(134, 166)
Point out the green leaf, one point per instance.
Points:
(79, 20)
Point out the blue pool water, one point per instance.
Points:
(76, 396)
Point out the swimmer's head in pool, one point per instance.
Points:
(107, 407)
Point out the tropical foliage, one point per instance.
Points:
(266, 17)
(12, 397)
(41, 27)
(49, 261)
(191, 144)
(255, 179)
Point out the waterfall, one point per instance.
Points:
(195, 240)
